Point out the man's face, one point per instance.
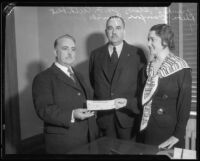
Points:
(154, 44)
(115, 31)
(65, 51)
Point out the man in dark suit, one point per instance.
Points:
(114, 70)
(59, 96)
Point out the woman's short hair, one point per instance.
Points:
(166, 34)
(63, 36)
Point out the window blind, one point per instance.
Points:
(189, 11)
(183, 19)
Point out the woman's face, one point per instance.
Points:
(154, 44)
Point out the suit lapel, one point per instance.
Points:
(104, 61)
(82, 83)
(63, 77)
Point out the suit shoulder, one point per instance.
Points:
(134, 48)
(47, 73)
(137, 52)
(187, 72)
(98, 50)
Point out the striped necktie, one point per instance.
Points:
(71, 74)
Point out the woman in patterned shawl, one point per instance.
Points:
(166, 94)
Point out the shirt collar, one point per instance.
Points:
(118, 48)
(63, 68)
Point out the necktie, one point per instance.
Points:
(114, 56)
(71, 74)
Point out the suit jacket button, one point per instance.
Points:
(164, 96)
(160, 111)
(79, 94)
(112, 94)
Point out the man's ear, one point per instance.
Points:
(124, 33)
(164, 44)
(55, 52)
(106, 32)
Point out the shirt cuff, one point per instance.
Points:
(72, 117)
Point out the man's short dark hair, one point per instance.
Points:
(113, 17)
(63, 36)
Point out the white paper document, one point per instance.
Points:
(100, 105)
(184, 154)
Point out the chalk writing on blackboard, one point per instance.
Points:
(142, 14)
(102, 13)
(185, 15)
(70, 10)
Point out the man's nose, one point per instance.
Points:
(114, 31)
(70, 51)
(149, 43)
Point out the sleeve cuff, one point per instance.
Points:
(72, 117)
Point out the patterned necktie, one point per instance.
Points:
(114, 56)
(71, 74)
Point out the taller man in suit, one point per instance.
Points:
(59, 95)
(114, 70)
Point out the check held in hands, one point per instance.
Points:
(120, 102)
(100, 105)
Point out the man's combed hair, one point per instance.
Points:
(113, 17)
(64, 36)
(166, 34)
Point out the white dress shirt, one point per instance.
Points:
(118, 49)
(64, 68)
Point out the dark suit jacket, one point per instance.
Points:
(55, 96)
(170, 109)
(123, 85)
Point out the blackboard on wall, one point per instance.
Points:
(87, 25)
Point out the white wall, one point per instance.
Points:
(26, 25)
